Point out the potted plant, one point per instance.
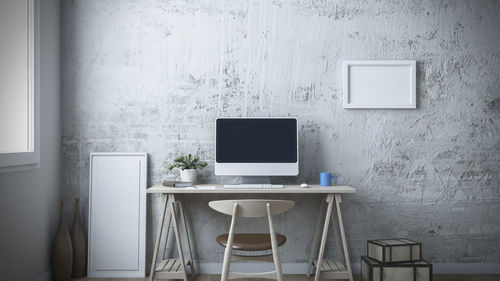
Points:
(188, 165)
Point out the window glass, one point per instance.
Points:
(15, 77)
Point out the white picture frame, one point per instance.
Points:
(117, 215)
(379, 84)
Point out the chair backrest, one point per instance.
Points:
(251, 208)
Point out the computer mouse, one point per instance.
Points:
(304, 185)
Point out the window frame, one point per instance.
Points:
(31, 158)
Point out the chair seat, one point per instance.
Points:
(251, 241)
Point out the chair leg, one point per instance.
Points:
(226, 263)
(274, 245)
(229, 246)
(276, 258)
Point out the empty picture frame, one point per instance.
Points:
(379, 84)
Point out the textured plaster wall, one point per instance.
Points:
(153, 75)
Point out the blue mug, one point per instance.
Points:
(325, 179)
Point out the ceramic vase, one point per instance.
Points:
(79, 244)
(62, 253)
(189, 175)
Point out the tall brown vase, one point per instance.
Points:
(79, 244)
(62, 253)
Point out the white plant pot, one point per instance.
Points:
(189, 175)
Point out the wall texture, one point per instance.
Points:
(152, 75)
(29, 200)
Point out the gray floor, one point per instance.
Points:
(304, 278)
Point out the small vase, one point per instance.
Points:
(79, 244)
(62, 253)
(189, 175)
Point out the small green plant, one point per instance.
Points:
(187, 162)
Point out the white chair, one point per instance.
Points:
(252, 208)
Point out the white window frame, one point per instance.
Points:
(31, 158)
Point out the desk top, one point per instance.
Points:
(219, 188)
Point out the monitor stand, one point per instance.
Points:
(255, 180)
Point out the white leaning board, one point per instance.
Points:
(379, 84)
(117, 215)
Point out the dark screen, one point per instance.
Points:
(256, 141)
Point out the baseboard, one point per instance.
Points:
(47, 276)
(466, 268)
(301, 268)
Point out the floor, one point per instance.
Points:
(303, 278)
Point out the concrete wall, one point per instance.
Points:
(152, 75)
(29, 199)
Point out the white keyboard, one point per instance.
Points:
(253, 186)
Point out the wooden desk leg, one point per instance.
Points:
(315, 235)
(336, 237)
(193, 271)
(338, 200)
(178, 238)
(329, 200)
(167, 232)
(158, 236)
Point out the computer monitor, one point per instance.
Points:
(256, 147)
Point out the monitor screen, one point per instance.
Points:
(256, 140)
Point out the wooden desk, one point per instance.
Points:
(326, 268)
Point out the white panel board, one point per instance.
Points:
(379, 84)
(117, 215)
